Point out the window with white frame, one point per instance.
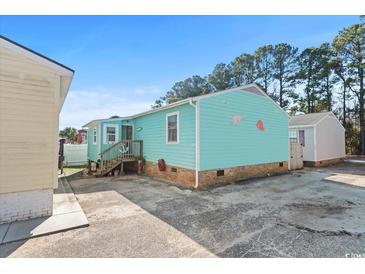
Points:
(172, 128)
(110, 134)
(94, 136)
(293, 136)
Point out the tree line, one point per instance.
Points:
(325, 78)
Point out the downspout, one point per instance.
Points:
(289, 149)
(197, 140)
(314, 142)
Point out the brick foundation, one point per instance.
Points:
(182, 176)
(17, 206)
(210, 178)
(323, 163)
(186, 177)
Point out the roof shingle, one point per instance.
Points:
(308, 119)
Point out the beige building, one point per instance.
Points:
(33, 89)
(321, 135)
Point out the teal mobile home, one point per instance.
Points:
(200, 141)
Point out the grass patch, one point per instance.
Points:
(67, 171)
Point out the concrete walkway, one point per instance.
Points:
(301, 214)
(67, 214)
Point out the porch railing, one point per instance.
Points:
(122, 150)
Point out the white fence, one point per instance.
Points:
(75, 155)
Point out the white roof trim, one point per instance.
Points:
(330, 114)
(301, 126)
(187, 100)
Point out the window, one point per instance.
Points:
(293, 136)
(110, 134)
(172, 128)
(94, 136)
(301, 138)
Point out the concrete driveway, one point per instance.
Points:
(308, 213)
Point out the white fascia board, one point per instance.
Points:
(301, 126)
(96, 122)
(188, 100)
(182, 102)
(65, 83)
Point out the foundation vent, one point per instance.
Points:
(173, 169)
(220, 172)
(281, 164)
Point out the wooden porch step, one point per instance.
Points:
(107, 170)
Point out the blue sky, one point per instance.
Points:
(124, 63)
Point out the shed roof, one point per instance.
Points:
(251, 88)
(308, 119)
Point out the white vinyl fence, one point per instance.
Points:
(75, 155)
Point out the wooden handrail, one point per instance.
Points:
(114, 145)
(109, 148)
(114, 154)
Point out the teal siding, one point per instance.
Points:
(118, 123)
(93, 150)
(152, 130)
(223, 144)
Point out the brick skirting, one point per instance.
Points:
(186, 177)
(234, 174)
(182, 176)
(323, 163)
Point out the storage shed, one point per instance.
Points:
(321, 135)
(32, 91)
(206, 140)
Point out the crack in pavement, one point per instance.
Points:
(323, 232)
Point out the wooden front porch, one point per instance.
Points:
(119, 153)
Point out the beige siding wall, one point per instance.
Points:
(330, 139)
(29, 97)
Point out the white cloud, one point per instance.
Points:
(83, 106)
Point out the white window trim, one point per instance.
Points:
(296, 132)
(95, 134)
(177, 127)
(105, 142)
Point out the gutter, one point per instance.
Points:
(289, 150)
(197, 140)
